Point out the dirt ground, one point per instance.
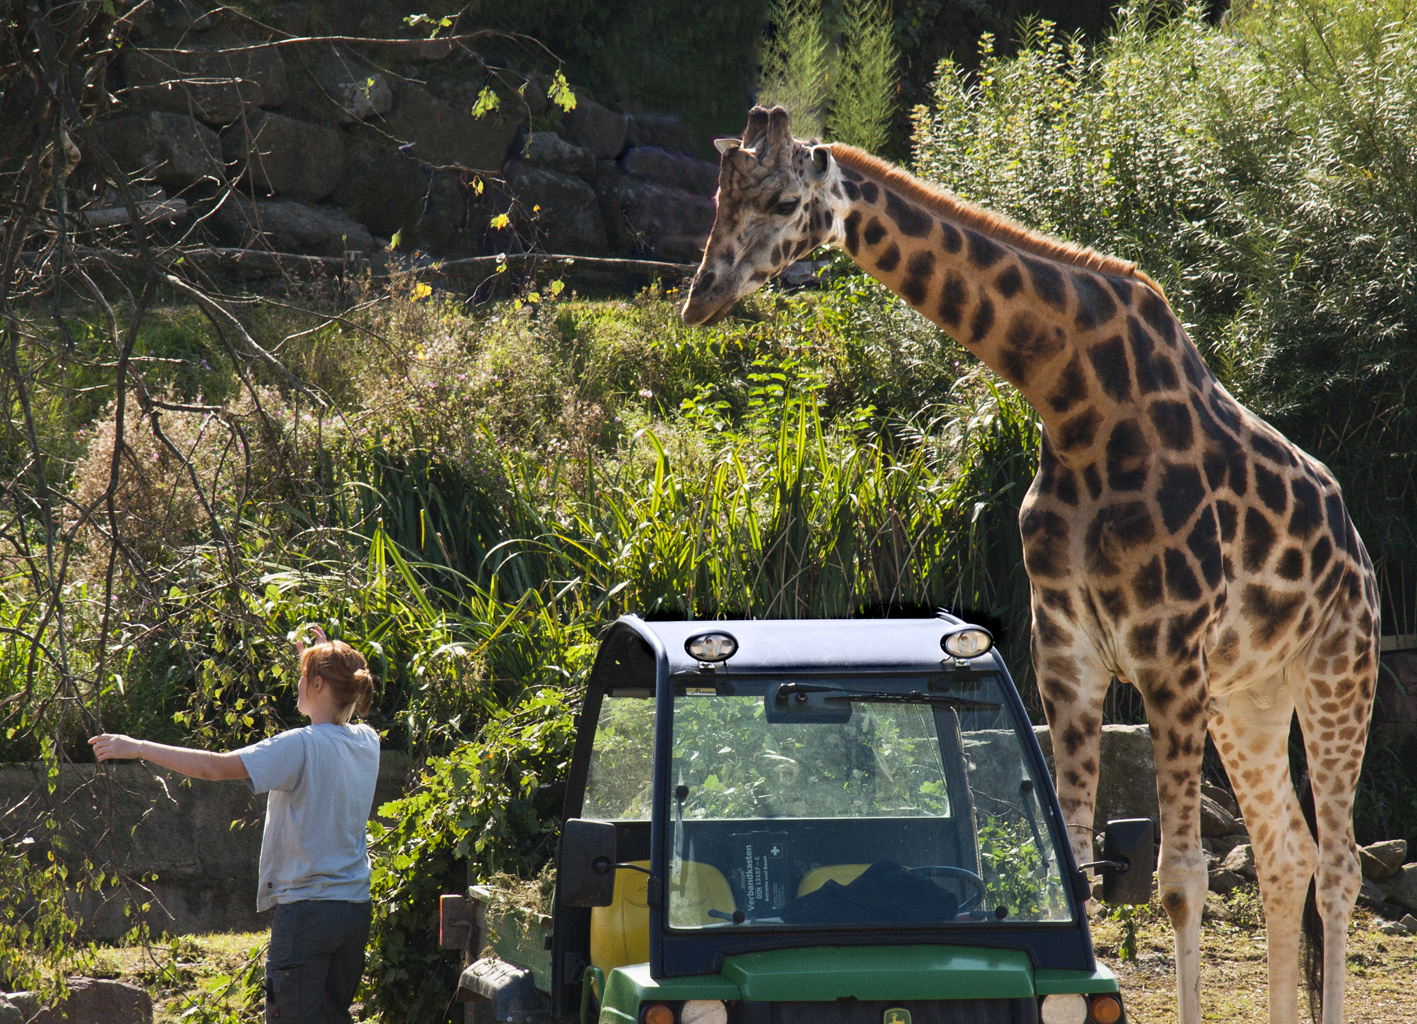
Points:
(1382, 969)
(199, 979)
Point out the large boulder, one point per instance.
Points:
(10, 1013)
(338, 87)
(215, 84)
(666, 131)
(664, 222)
(1126, 787)
(652, 163)
(1215, 819)
(549, 152)
(283, 225)
(90, 1001)
(383, 189)
(441, 135)
(558, 213)
(1241, 861)
(594, 128)
(1382, 860)
(175, 149)
(1401, 888)
(284, 156)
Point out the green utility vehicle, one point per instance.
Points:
(776, 821)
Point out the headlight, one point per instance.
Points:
(711, 647)
(968, 642)
(1064, 1009)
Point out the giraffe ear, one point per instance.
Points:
(724, 145)
(821, 161)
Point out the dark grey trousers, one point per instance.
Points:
(315, 961)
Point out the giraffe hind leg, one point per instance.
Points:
(1251, 732)
(1334, 703)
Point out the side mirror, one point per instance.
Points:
(1130, 842)
(585, 867)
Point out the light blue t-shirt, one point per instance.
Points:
(321, 783)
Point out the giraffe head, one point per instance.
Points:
(772, 210)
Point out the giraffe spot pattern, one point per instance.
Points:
(1307, 515)
(1141, 641)
(1268, 611)
(1080, 431)
(952, 299)
(953, 240)
(852, 192)
(1154, 370)
(870, 192)
(1228, 515)
(1172, 421)
(1225, 410)
(1155, 312)
(1147, 584)
(1319, 556)
(1109, 362)
(1181, 582)
(983, 252)
(889, 258)
(983, 320)
(1205, 548)
(1270, 489)
(1127, 457)
(911, 221)
(1095, 305)
(1092, 479)
(1045, 542)
(1071, 387)
(1047, 282)
(1179, 494)
(1115, 530)
(852, 226)
(874, 232)
(1009, 282)
(919, 269)
(1025, 346)
(1258, 541)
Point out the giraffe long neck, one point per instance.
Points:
(1078, 334)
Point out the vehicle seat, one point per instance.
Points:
(842, 874)
(619, 933)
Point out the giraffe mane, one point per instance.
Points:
(996, 226)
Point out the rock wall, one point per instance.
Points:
(201, 839)
(325, 148)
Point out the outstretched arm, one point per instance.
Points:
(200, 764)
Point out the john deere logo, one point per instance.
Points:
(896, 1015)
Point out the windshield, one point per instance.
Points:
(848, 803)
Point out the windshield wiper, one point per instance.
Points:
(913, 697)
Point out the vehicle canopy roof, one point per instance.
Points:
(632, 646)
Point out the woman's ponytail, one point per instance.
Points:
(344, 671)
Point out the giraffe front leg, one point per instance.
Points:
(1072, 683)
(1251, 732)
(1176, 713)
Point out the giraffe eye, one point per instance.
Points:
(785, 207)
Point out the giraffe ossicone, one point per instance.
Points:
(1172, 538)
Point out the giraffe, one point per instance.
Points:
(1172, 539)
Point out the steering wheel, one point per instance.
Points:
(971, 900)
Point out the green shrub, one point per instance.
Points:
(483, 809)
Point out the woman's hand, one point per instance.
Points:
(114, 746)
(316, 633)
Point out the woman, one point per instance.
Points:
(314, 864)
